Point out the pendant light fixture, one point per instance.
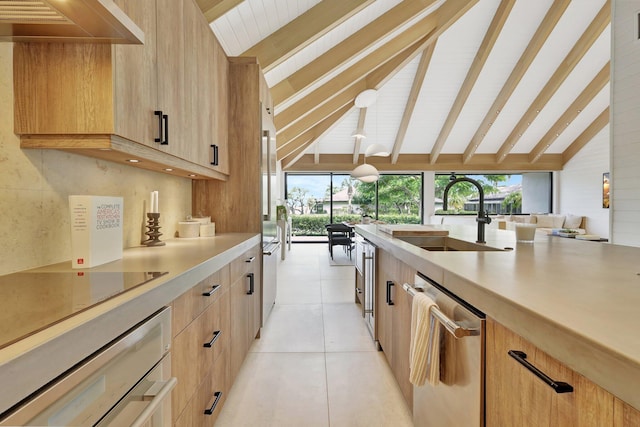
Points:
(365, 173)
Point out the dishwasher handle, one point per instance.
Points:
(158, 398)
(451, 326)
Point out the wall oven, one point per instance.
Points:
(127, 383)
(365, 280)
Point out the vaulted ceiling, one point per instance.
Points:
(464, 85)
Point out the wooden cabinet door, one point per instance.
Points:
(625, 415)
(135, 82)
(170, 35)
(401, 334)
(239, 324)
(516, 397)
(219, 116)
(383, 311)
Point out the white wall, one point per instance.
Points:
(625, 124)
(35, 185)
(579, 185)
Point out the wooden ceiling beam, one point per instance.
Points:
(549, 22)
(489, 41)
(482, 163)
(582, 46)
(592, 130)
(303, 30)
(313, 134)
(358, 140)
(350, 47)
(570, 114)
(307, 122)
(214, 9)
(416, 87)
(395, 49)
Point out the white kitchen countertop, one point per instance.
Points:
(31, 362)
(579, 301)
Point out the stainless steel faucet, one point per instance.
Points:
(483, 218)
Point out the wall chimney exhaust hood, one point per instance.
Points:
(94, 21)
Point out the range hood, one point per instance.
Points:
(95, 21)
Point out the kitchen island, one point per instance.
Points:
(575, 300)
(32, 360)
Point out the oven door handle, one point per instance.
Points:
(158, 398)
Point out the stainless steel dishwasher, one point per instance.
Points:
(458, 398)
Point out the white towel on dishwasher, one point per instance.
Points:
(424, 353)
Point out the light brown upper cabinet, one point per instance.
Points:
(160, 102)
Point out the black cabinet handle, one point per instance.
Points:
(250, 259)
(389, 285)
(215, 155)
(251, 284)
(209, 410)
(159, 114)
(211, 291)
(557, 386)
(165, 118)
(209, 344)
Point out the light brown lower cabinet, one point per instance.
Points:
(393, 317)
(517, 397)
(246, 306)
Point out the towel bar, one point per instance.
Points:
(452, 327)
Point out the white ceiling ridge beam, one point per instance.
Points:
(358, 140)
(352, 46)
(214, 9)
(545, 28)
(570, 114)
(587, 135)
(377, 61)
(488, 42)
(582, 46)
(416, 87)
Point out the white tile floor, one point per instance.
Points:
(315, 364)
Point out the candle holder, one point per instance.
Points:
(153, 233)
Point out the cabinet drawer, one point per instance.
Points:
(517, 396)
(198, 347)
(189, 305)
(245, 263)
(203, 409)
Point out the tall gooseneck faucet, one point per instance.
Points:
(483, 218)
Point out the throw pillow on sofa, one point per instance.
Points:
(572, 221)
(544, 221)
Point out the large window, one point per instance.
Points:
(503, 194)
(315, 200)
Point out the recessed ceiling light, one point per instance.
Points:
(192, 175)
(168, 169)
(133, 160)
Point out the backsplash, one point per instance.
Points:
(35, 185)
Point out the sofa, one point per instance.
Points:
(545, 223)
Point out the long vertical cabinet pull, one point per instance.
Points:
(389, 285)
(210, 409)
(364, 282)
(160, 132)
(251, 284)
(215, 161)
(165, 118)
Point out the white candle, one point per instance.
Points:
(155, 208)
(152, 202)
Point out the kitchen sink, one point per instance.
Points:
(445, 243)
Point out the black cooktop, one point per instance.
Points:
(30, 302)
